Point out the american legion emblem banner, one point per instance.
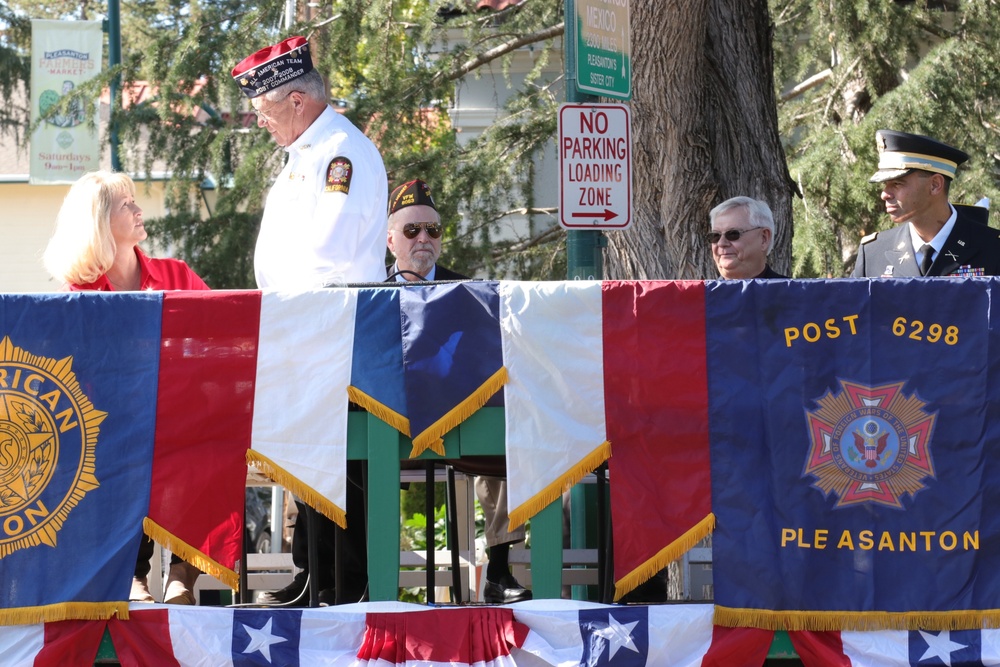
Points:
(855, 447)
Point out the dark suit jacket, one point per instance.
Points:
(770, 273)
(890, 253)
(440, 273)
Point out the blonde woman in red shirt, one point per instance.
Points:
(96, 247)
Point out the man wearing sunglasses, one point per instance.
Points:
(325, 212)
(414, 239)
(741, 236)
(414, 235)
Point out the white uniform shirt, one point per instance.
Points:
(311, 236)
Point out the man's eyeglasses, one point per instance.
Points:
(730, 234)
(412, 229)
(265, 116)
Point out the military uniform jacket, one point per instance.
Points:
(325, 216)
(971, 249)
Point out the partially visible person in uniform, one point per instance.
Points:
(930, 237)
(741, 237)
(325, 214)
(414, 239)
(95, 246)
(323, 223)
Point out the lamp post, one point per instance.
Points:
(114, 29)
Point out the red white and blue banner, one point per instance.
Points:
(561, 633)
(838, 436)
(536, 633)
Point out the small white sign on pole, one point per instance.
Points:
(595, 164)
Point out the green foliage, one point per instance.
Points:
(394, 63)
(413, 537)
(918, 66)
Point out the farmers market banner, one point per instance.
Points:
(64, 55)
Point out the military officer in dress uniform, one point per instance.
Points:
(931, 237)
(325, 215)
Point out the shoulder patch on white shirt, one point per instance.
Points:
(338, 175)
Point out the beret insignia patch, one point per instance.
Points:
(338, 175)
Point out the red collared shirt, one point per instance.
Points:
(156, 274)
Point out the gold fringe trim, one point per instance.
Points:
(970, 619)
(564, 482)
(664, 557)
(386, 414)
(64, 611)
(430, 438)
(190, 555)
(302, 491)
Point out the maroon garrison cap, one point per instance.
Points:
(273, 66)
(413, 193)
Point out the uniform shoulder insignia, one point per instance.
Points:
(868, 239)
(338, 175)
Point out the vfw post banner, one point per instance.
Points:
(64, 55)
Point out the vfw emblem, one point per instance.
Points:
(870, 444)
(48, 438)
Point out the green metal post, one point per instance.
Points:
(383, 510)
(583, 246)
(114, 59)
(584, 261)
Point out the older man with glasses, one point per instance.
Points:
(414, 239)
(414, 235)
(742, 231)
(323, 223)
(325, 214)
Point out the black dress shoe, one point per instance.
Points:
(328, 596)
(292, 593)
(505, 591)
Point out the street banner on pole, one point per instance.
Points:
(64, 54)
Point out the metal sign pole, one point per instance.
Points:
(114, 59)
(584, 247)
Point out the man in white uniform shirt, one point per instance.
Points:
(323, 224)
(326, 212)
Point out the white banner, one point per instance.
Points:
(64, 54)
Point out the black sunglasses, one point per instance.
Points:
(730, 234)
(412, 229)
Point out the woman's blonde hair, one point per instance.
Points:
(82, 249)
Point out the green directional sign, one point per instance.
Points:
(603, 48)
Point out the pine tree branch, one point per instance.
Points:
(499, 51)
(811, 82)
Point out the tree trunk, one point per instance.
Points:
(705, 128)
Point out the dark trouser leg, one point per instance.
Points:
(146, 546)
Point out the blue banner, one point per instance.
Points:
(854, 467)
(452, 359)
(78, 378)
(854, 460)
